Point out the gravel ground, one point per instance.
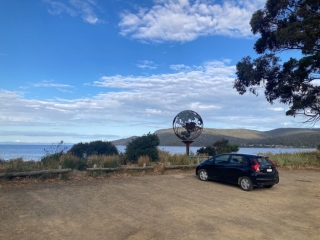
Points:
(171, 206)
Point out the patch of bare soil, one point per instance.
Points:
(170, 206)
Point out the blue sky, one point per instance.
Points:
(84, 70)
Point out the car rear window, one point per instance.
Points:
(263, 161)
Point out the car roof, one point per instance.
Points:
(245, 154)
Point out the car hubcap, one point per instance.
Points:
(203, 175)
(245, 184)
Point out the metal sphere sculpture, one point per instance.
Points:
(187, 126)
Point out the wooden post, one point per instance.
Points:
(60, 167)
(187, 143)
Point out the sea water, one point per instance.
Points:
(37, 151)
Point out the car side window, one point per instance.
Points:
(238, 159)
(222, 158)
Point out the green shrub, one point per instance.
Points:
(69, 161)
(209, 151)
(84, 150)
(223, 146)
(143, 146)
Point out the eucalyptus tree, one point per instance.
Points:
(291, 26)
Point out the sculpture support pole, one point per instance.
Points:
(187, 143)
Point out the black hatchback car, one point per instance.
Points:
(246, 170)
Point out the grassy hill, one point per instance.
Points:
(281, 137)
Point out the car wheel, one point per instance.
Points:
(245, 184)
(203, 175)
(268, 186)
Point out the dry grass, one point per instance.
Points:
(296, 160)
(18, 165)
(143, 160)
(103, 161)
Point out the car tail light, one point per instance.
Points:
(255, 166)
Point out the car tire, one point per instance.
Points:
(203, 175)
(268, 186)
(245, 184)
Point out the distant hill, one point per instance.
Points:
(123, 142)
(281, 137)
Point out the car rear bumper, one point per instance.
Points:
(265, 181)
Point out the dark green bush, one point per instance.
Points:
(209, 150)
(83, 150)
(223, 146)
(219, 147)
(143, 146)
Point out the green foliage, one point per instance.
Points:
(70, 161)
(83, 150)
(223, 146)
(209, 150)
(143, 146)
(218, 147)
(285, 25)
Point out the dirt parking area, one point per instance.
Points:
(170, 206)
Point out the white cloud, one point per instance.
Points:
(147, 64)
(316, 82)
(51, 84)
(277, 109)
(85, 8)
(178, 67)
(142, 104)
(183, 20)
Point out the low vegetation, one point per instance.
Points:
(104, 161)
(151, 156)
(296, 160)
